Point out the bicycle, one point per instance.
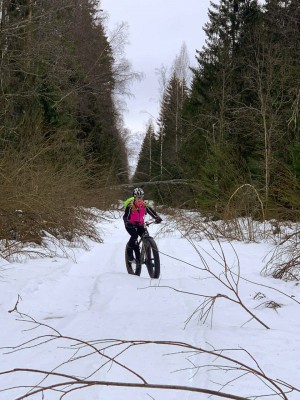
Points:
(149, 256)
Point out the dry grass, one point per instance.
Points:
(284, 262)
(43, 193)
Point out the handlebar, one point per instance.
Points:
(147, 223)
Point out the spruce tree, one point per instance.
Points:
(242, 110)
(61, 141)
(213, 162)
(146, 169)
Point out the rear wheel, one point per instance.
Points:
(134, 267)
(152, 260)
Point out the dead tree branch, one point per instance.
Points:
(221, 360)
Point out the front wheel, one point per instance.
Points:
(134, 267)
(152, 260)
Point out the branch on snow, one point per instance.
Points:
(102, 352)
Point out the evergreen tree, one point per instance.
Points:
(170, 139)
(283, 37)
(60, 70)
(209, 109)
(171, 127)
(60, 130)
(146, 168)
(242, 111)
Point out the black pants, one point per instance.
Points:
(133, 241)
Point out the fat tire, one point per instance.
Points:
(132, 268)
(152, 260)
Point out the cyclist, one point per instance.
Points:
(135, 210)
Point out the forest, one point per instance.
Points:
(227, 143)
(62, 137)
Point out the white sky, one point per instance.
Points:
(157, 30)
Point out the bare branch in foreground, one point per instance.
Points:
(227, 277)
(64, 383)
(87, 383)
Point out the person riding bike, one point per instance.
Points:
(135, 210)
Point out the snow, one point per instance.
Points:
(76, 316)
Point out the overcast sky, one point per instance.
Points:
(156, 32)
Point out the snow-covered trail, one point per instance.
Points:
(91, 297)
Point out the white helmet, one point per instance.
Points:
(138, 192)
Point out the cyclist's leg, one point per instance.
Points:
(140, 231)
(131, 242)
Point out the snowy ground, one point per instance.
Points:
(91, 298)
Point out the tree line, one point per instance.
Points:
(61, 133)
(228, 144)
(227, 141)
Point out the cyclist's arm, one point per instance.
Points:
(126, 214)
(151, 212)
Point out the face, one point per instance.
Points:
(138, 201)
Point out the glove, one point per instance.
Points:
(158, 220)
(129, 224)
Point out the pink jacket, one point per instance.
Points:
(137, 212)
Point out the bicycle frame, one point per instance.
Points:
(146, 234)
